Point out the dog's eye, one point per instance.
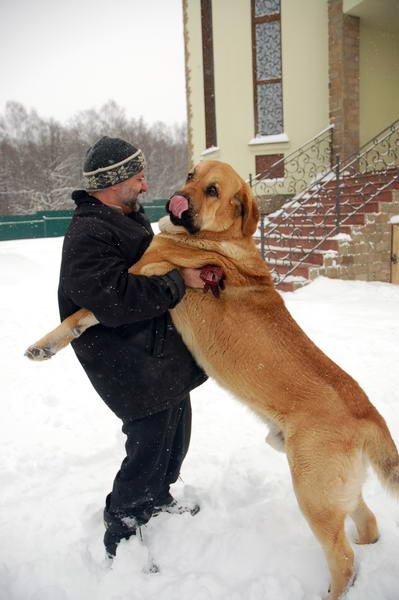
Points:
(190, 177)
(212, 191)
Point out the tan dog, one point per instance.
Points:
(251, 345)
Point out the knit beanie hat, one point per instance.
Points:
(111, 161)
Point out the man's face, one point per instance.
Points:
(127, 192)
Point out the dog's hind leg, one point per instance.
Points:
(338, 552)
(327, 487)
(327, 524)
(366, 523)
(71, 328)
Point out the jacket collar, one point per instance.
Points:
(82, 197)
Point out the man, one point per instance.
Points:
(134, 358)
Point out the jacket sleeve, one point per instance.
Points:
(96, 278)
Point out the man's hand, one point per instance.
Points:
(192, 278)
(209, 277)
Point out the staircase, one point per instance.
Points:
(338, 224)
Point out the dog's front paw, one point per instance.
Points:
(38, 354)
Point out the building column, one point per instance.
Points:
(343, 46)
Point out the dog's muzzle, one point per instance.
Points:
(177, 205)
(181, 212)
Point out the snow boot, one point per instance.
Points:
(168, 504)
(114, 534)
(117, 528)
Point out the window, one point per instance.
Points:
(266, 52)
(265, 162)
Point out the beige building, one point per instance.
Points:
(302, 98)
(265, 76)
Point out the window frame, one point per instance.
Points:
(257, 82)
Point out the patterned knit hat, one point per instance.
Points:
(111, 161)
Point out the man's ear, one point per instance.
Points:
(249, 209)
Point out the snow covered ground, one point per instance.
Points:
(61, 447)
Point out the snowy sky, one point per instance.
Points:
(62, 56)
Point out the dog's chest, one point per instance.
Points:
(212, 331)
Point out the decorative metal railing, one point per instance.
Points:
(302, 230)
(295, 171)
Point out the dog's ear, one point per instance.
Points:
(249, 210)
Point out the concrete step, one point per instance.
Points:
(315, 220)
(279, 253)
(282, 267)
(290, 286)
(306, 230)
(293, 242)
(345, 209)
(378, 179)
(353, 198)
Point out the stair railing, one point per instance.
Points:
(291, 174)
(322, 209)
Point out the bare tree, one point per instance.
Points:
(41, 160)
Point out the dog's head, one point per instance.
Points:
(215, 199)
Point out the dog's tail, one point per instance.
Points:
(383, 454)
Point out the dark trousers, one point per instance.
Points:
(155, 449)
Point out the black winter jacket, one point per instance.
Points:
(135, 358)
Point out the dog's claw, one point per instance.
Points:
(38, 354)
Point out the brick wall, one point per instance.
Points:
(343, 45)
(367, 256)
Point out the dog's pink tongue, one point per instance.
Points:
(177, 205)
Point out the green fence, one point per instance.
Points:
(54, 223)
(156, 210)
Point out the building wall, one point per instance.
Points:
(305, 68)
(344, 34)
(379, 80)
(305, 65)
(194, 77)
(305, 79)
(233, 80)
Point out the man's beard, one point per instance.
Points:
(131, 203)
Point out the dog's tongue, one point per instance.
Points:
(177, 205)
